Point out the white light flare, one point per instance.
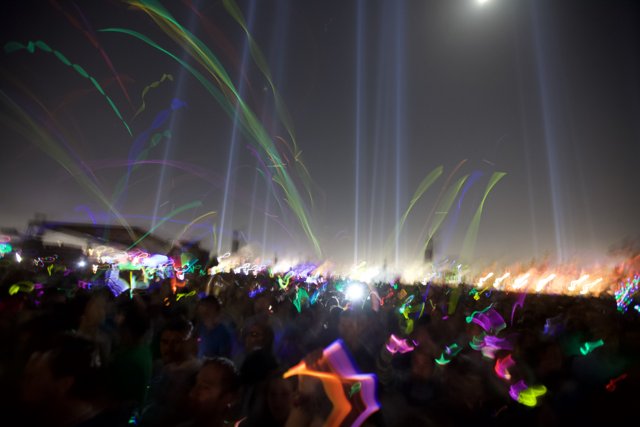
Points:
(354, 292)
(484, 279)
(521, 281)
(587, 287)
(574, 283)
(498, 281)
(544, 282)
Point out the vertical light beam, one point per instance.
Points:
(359, 101)
(236, 127)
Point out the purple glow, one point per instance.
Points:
(491, 321)
(519, 303)
(397, 345)
(340, 362)
(515, 389)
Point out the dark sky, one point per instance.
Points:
(380, 93)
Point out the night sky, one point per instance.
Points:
(378, 93)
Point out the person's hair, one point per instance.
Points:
(74, 356)
(257, 366)
(178, 324)
(136, 319)
(230, 375)
(211, 301)
(78, 305)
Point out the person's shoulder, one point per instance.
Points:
(189, 365)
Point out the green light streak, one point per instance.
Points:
(444, 206)
(31, 46)
(422, 188)
(469, 244)
(588, 347)
(43, 140)
(175, 212)
(231, 102)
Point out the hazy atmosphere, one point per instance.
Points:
(309, 126)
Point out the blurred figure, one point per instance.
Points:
(276, 403)
(90, 325)
(176, 343)
(279, 400)
(213, 337)
(130, 367)
(256, 361)
(257, 335)
(175, 376)
(356, 329)
(62, 386)
(422, 336)
(214, 394)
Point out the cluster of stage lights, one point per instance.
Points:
(534, 281)
(624, 295)
(564, 280)
(355, 292)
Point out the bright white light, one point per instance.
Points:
(543, 282)
(154, 261)
(484, 279)
(521, 281)
(354, 292)
(18, 257)
(481, 2)
(499, 280)
(574, 283)
(588, 286)
(82, 263)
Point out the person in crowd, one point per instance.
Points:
(214, 340)
(68, 360)
(91, 323)
(130, 366)
(215, 394)
(178, 365)
(355, 328)
(63, 387)
(274, 407)
(257, 363)
(256, 335)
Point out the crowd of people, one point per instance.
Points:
(214, 352)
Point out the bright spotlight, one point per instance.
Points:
(18, 257)
(481, 2)
(354, 292)
(82, 263)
